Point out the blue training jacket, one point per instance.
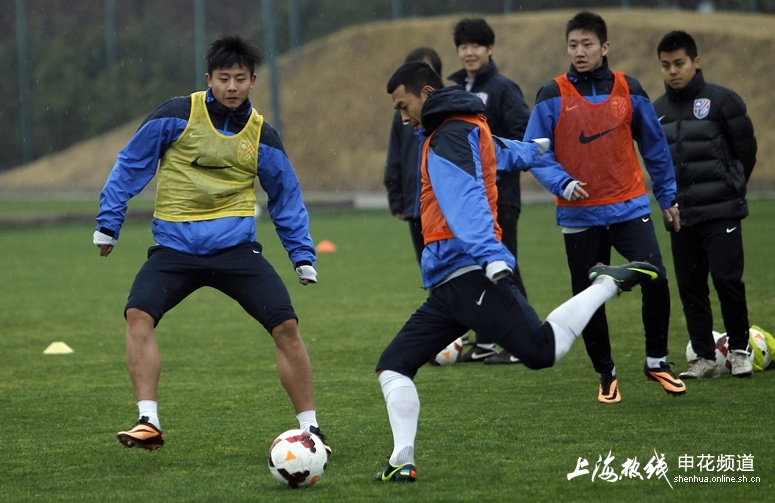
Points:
(136, 166)
(455, 171)
(595, 86)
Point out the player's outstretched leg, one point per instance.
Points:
(570, 318)
(626, 276)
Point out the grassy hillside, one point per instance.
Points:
(336, 113)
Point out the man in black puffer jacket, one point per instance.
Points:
(713, 147)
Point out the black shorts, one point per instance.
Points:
(498, 313)
(241, 272)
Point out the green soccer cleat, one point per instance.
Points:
(404, 473)
(626, 276)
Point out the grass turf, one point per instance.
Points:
(485, 432)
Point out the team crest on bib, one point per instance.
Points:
(701, 108)
(618, 107)
(246, 152)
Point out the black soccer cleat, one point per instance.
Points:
(502, 358)
(476, 354)
(316, 431)
(626, 276)
(404, 473)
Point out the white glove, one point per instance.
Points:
(497, 270)
(103, 239)
(307, 272)
(567, 194)
(543, 145)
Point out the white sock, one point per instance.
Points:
(149, 409)
(306, 419)
(403, 407)
(570, 318)
(488, 346)
(653, 363)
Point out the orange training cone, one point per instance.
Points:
(325, 246)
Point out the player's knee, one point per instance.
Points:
(136, 318)
(286, 330)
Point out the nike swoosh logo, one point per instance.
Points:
(586, 139)
(195, 163)
(479, 302)
(645, 219)
(482, 356)
(731, 230)
(256, 252)
(650, 274)
(568, 109)
(660, 118)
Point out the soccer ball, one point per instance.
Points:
(690, 354)
(297, 458)
(722, 350)
(450, 354)
(757, 339)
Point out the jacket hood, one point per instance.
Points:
(442, 103)
(689, 91)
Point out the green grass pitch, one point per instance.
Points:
(486, 432)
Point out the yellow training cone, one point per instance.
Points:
(58, 348)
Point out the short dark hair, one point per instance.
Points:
(232, 50)
(473, 31)
(588, 21)
(676, 40)
(414, 76)
(423, 54)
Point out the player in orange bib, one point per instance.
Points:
(593, 116)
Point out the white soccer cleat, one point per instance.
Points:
(701, 368)
(741, 364)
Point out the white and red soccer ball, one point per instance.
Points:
(297, 458)
(450, 354)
